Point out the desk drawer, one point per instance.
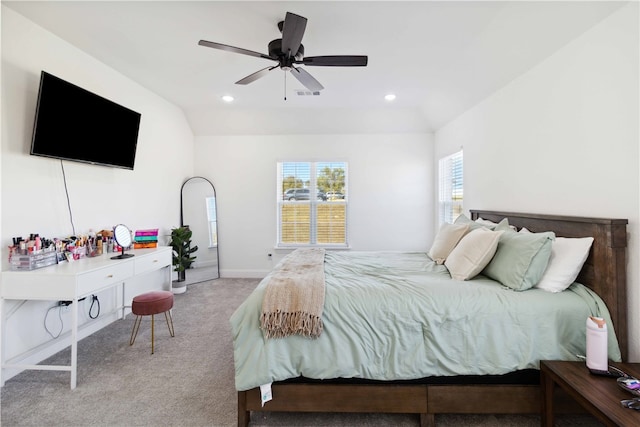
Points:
(98, 279)
(152, 262)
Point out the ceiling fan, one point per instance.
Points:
(288, 52)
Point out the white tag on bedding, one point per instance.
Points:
(265, 393)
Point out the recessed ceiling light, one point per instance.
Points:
(389, 97)
(227, 98)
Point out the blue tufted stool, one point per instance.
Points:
(150, 304)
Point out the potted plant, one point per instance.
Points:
(182, 251)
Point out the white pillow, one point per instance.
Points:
(472, 253)
(568, 255)
(447, 238)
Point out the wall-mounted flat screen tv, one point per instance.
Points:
(75, 124)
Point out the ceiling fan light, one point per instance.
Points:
(389, 97)
(227, 98)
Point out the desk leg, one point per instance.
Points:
(123, 299)
(546, 410)
(74, 343)
(2, 337)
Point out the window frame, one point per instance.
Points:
(212, 221)
(450, 187)
(313, 203)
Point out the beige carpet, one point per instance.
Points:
(187, 382)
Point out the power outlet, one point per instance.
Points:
(65, 306)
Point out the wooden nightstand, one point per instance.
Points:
(599, 395)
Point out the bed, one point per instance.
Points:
(486, 391)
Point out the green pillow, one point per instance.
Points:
(462, 219)
(521, 259)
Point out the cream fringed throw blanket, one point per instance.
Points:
(294, 296)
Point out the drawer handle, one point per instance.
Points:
(109, 276)
(155, 260)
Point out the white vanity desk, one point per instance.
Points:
(72, 281)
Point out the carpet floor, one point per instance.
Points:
(189, 381)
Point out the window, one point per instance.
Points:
(212, 221)
(451, 186)
(312, 204)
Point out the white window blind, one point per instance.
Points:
(451, 187)
(312, 204)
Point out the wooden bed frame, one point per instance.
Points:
(604, 272)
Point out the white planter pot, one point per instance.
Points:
(179, 287)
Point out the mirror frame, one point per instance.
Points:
(122, 231)
(216, 208)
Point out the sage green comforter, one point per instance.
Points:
(391, 316)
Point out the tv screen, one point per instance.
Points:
(75, 124)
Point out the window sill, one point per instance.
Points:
(292, 248)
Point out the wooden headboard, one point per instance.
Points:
(605, 269)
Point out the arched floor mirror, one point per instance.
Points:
(198, 211)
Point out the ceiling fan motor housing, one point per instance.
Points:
(275, 51)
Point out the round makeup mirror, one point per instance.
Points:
(122, 236)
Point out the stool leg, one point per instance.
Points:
(171, 330)
(134, 331)
(152, 334)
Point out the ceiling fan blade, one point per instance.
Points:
(255, 76)
(292, 32)
(306, 79)
(234, 49)
(336, 61)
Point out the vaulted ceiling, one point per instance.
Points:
(440, 58)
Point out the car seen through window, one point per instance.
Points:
(294, 194)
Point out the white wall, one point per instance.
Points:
(390, 187)
(33, 194)
(563, 139)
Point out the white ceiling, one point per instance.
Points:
(439, 57)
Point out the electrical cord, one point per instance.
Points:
(64, 178)
(94, 299)
(59, 307)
